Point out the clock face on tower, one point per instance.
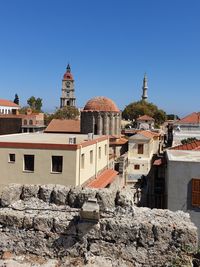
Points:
(67, 84)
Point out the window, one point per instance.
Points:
(82, 161)
(57, 164)
(91, 156)
(99, 152)
(25, 122)
(140, 148)
(136, 167)
(31, 122)
(105, 150)
(11, 158)
(29, 163)
(196, 192)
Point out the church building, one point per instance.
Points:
(67, 98)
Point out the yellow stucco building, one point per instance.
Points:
(41, 158)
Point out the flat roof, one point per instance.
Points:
(47, 140)
(183, 155)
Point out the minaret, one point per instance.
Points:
(67, 98)
(144, 88)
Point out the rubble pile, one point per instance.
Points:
(44, 221)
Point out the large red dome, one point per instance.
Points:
(101, 103)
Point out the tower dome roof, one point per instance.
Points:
(68, 75)
(101, 103)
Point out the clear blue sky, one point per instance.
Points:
(109, 45)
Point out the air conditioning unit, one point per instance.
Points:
(72, 140)
(90, 136)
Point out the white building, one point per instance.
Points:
(8, 107)
(142, 147)
(42, 158)
(183, 180)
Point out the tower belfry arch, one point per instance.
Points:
(68, 97)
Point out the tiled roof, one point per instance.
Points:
(190, 146)
(63, 126)
(7, 103)
(145, 118)
(107, 177)
(149, 134)
(101, 103)
(119, 141)
(191, 118)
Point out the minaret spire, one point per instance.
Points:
(144, 88)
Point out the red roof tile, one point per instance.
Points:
(190, 146)
(145, 118)
(148, 134)
(191, 118)
(63, 126)
(7, 103)
(107, 177)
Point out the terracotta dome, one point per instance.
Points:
(101, 103)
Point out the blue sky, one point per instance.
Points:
(109, 45)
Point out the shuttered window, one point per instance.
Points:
(140, 148)
(196, 192)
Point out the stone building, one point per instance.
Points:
(145, 122)
(182, 180)
(101, 116)
(32, 121)
(67, 98)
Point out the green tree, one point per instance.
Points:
(139, 108)
(67, 113)
(16, 100)
(35, 103)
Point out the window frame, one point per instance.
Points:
(57, 164)
(82, 160)
(9, 157)
(196, 192)
(91, 156)
(136, 166)
(25, 163)
(140, 149)
(99, 153)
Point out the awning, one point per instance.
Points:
(105, 178)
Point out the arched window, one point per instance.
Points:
(25, 122)
(31, 122)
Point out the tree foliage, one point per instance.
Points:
(139, 108)
(67, 113)
(35, 103)
(16, 100)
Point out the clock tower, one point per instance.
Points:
(67, 98)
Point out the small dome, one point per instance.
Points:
(67, 76)
(101, 103)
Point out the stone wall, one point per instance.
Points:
(44, 221)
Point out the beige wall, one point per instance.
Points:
(72, 173)
(14, 173)
(92, 169)
(133, 148)
(143, 160)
